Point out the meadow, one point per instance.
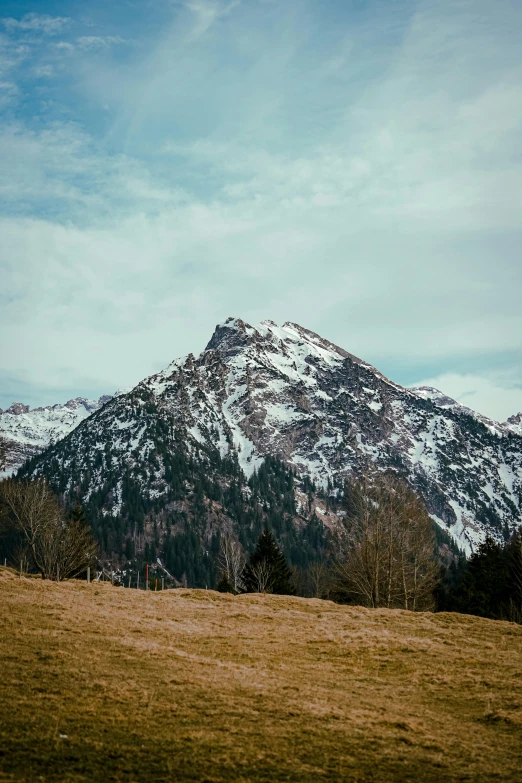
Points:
(104, 683)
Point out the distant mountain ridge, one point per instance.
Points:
(513, 424)
(29, 431)
(289, 393)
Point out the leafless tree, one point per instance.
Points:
(60, 548)
(21, 557)
(315, 581)
(263, 574)
(232, 561)
(388, 547)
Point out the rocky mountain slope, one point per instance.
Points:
(28, 432)
(514, 423)
(441, 400)
(286, 392)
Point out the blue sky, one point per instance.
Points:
(352, 166)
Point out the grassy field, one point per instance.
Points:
(104, 683)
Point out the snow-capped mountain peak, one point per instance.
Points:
(284, 391)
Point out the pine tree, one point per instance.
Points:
(514, 564)
(484, 587)
(267, 570)
(78, 514)
(224, 586)
(3, 452)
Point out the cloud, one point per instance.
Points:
(64, 46)
(49, 25)
(8, 91)
(206, 13)
(358, 173)
(62, 170)
(88, 42)
(12, 55)
(44, 71)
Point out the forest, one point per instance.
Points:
(215, 528)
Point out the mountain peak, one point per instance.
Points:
(230, 334)
(435, 395)
(234, 333)
(17, 408)
(285, 391)
(316, 339)
(514, 423)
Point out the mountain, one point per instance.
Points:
(28, 432)
(184, 450)
(514, 423)
(441, 400)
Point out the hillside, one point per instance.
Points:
(174, 456)
(30, 431)
(106, 683)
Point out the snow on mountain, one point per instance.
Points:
(28, 432)
(442, 400)
(287, 392)
(514, 423)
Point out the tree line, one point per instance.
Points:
(488, 584)
(41, 534)
(384, 554)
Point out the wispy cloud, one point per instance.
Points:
(88, 42)
(33, 22)
(206, 13)
(12, 55)
(356, 170)
(44, 71)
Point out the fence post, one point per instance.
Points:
(129, 580)
(138, 581)
(147, 577)
(88, 575)
(162, 582)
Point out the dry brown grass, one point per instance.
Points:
(190, 685)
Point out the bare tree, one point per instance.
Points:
(388, 547)
(318, 579)
(263, 574)
(60, 548)
(232, 562)
(21, 557)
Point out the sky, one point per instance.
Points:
(354, 166)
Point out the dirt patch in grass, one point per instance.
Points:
(105, 683)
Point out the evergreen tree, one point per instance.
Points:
(267, 569)
(3, 452)
(77, 513)
(485, 584)
(129, 549)
(514, 566)
(224, 586)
